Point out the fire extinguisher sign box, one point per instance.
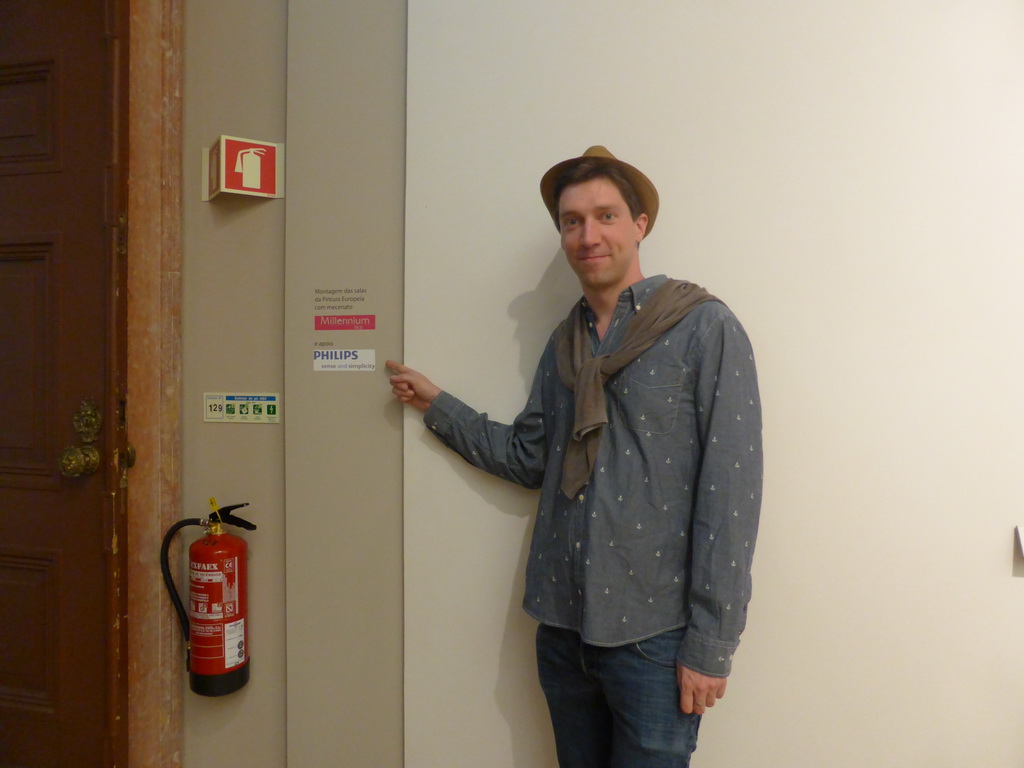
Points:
(243, 167)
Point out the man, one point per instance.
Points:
(643, 432)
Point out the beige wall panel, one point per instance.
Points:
(346, 164)
(233, 312)
(848, 179)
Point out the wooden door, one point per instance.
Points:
(62, 531)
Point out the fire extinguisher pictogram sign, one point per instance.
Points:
(243, 167)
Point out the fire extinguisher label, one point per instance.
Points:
(217, 621)
(234, 643)
(219, 598)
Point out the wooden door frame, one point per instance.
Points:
(155, 655)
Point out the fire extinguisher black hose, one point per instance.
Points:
(165, 568)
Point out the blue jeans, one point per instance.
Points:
(615, 707)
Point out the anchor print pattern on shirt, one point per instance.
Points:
(663, 535)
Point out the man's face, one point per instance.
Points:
(599, 236)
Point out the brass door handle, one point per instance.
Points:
(77, 461)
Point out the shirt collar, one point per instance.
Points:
(637, 293)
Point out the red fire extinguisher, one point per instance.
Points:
(215, 625)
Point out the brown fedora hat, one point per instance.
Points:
(644, 188)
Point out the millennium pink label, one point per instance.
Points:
(346, 322)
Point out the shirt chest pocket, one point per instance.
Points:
(648, 396)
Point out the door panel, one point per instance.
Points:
(26, 369)
(28, 138)
(61, 610)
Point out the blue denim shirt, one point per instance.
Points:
(663, 535)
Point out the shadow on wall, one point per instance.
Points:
(1018, 552)
(536, 314)
(539, 311)
(517, 690)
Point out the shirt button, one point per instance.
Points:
(577, 545)
(581, 497)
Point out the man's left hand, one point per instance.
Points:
(698, 692)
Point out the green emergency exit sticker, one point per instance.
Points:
(242, 408)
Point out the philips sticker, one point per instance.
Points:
(344, 360)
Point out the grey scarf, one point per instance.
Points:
(586, 375)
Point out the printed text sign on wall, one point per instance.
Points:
(346, 308)
(344, 360)
(242, 408)
(345, 322)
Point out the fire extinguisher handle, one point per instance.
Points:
(224, 515)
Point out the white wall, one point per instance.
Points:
(849, 179)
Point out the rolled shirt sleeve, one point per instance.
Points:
(516, 452)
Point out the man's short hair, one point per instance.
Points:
(592, 168)
(597, 162)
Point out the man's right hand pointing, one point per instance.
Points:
(412, 387)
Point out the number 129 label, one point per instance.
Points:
(246, 408)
